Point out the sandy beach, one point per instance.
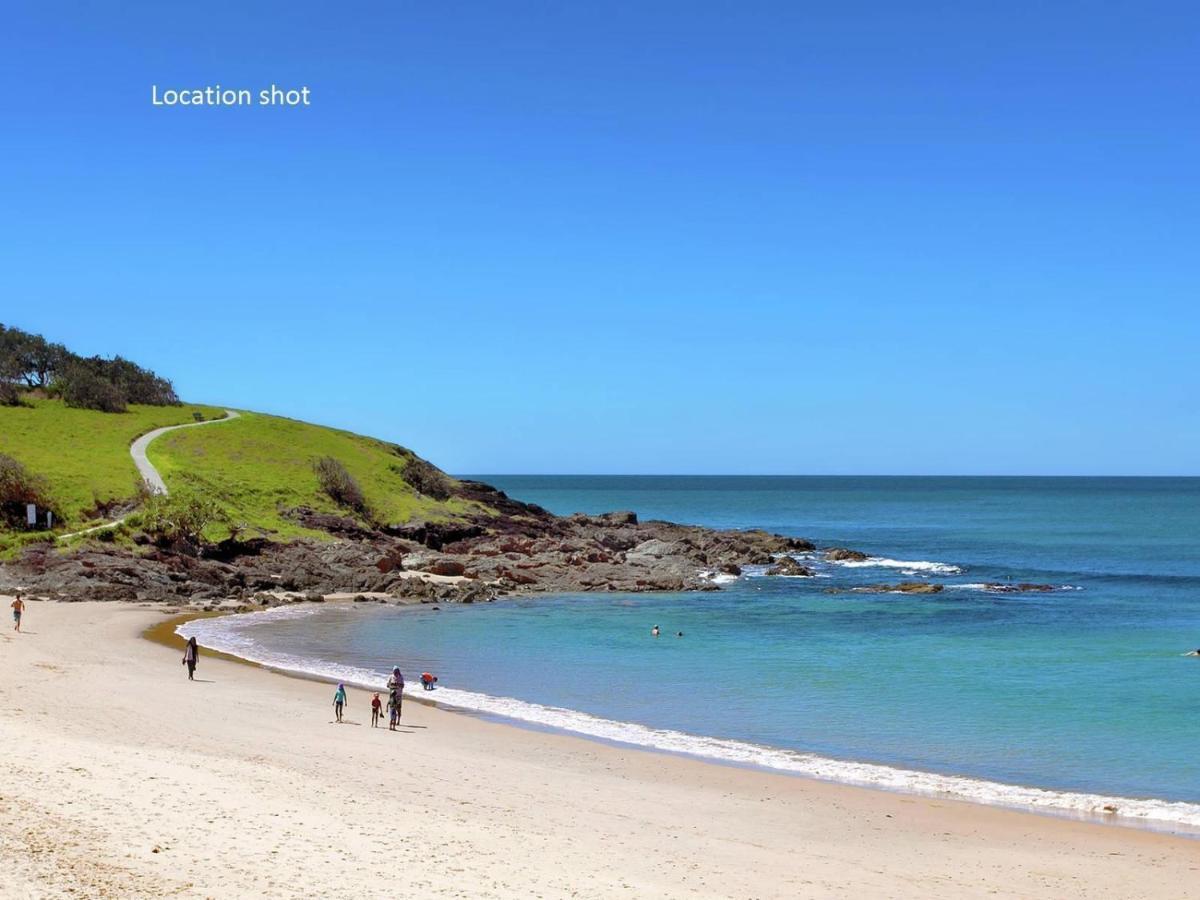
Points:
(122, 779)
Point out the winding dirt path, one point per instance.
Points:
(150, 476)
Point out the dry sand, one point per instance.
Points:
(120, 778)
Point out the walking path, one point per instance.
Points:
(150, 476)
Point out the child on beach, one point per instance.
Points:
(339, 700)
(18, 607)
(393, 710)
(376, 706)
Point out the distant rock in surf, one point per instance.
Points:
(844, 554)
(904, 587)
(785, 565)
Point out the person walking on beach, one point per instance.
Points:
(191, 656)
(18, 607)
(376, 707)
(339, 701)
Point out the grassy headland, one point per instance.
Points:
(258, 467)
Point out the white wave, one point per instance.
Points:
(226, 634)
(1007, 588)
(719, 577)
(882, 562)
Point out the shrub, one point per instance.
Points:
(9, 394)
(424, 477)
(179, 519)
(340, 485)
(82, 388)
(18, 487)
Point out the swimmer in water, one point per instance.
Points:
(654, 631)
(1193, 652)
(679, 634)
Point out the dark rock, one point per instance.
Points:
(785, 565)
(446, 567)
(904, 587)
(434, 535)
(342, 526)
(842, 554)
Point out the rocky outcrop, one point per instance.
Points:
(904, 587)
(788, 566)
(507, 547)
(842, 554)
(1023, 587)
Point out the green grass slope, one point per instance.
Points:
(83, 454)
(258, 467)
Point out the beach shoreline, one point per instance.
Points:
(127, 780)
(1165, 816)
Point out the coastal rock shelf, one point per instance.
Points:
(514, 548)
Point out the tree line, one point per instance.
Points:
(29, 362)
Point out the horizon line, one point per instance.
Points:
(787, 475)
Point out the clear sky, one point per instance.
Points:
(695, 237)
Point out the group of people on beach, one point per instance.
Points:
(395, 686)
(395, 699)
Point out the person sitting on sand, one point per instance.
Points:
(654, 631)
(376, 706)
(428, 680)
(18, 607)
(191, 656)
(339, 701)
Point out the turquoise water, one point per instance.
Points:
(1083, 690)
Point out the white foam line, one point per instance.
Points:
(882, 562)
(1007, 588)
(225, 634)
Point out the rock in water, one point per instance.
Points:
(843, 554)
(785, 565)
(904, 587)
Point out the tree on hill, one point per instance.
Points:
(30, 358)
(108, 385)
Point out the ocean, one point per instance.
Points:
(1071, 701)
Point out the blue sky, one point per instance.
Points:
(654, 237)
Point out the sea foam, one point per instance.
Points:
(228, 634)
(882, 562)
